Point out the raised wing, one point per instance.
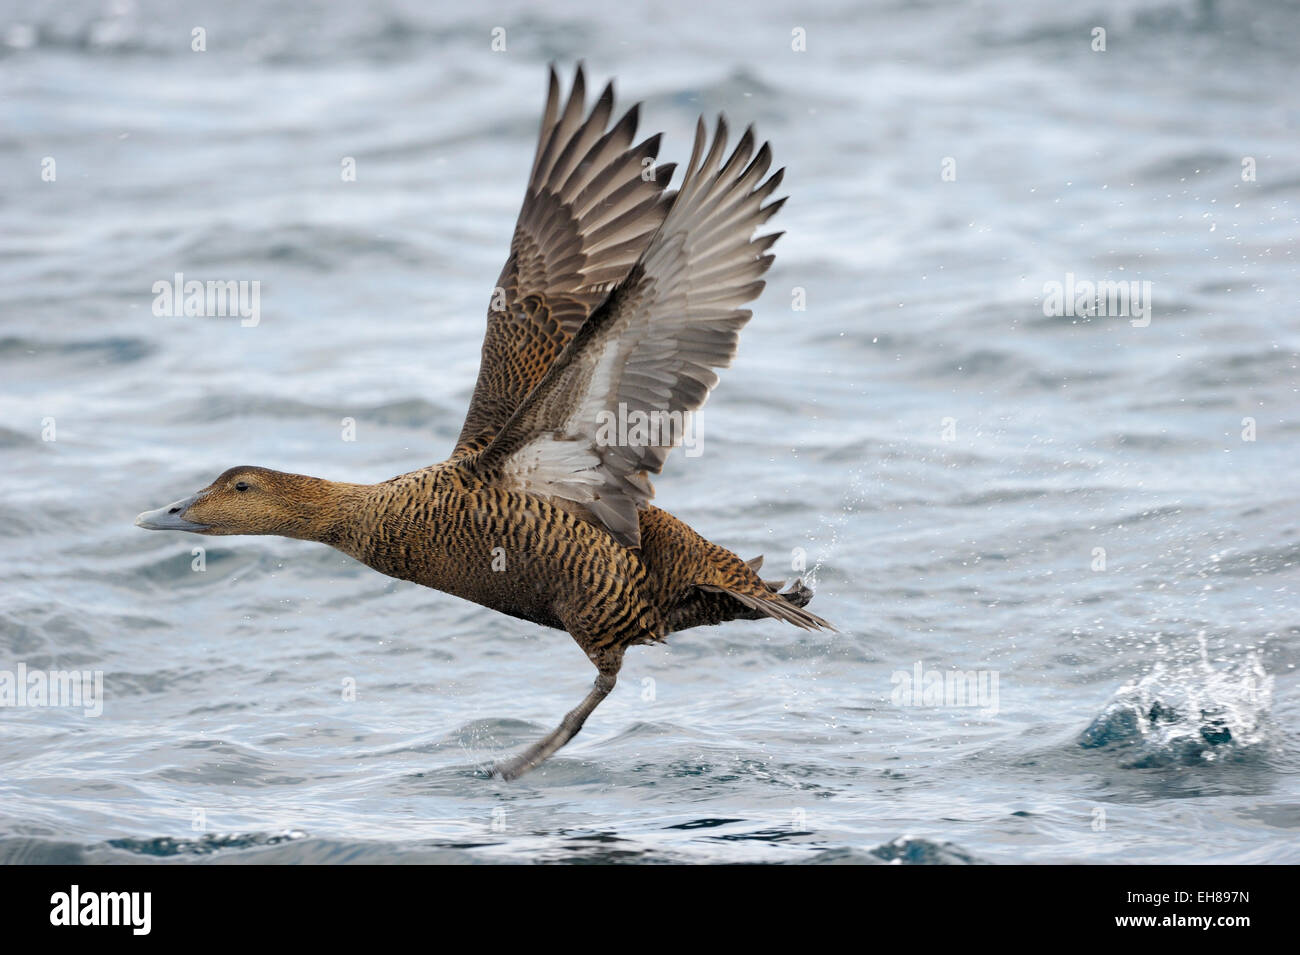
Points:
(592, 204)
(647, 354)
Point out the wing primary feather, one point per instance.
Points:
(587, 215)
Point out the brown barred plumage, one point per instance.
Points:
(616, 294)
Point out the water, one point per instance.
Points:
(1144, 712)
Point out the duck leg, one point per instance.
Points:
(544, 748)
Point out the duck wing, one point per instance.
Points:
(593, 201)
(649, 349)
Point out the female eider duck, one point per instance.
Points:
(618, 301)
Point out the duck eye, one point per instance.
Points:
(241, 486)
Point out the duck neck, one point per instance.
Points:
(328, 511)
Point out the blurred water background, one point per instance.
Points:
(1069, 505)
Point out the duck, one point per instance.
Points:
(617, 305)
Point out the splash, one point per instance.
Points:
(1186, 714)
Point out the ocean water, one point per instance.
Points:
(1092, 517)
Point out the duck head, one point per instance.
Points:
(251, 500)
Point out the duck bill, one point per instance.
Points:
(171, 518)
